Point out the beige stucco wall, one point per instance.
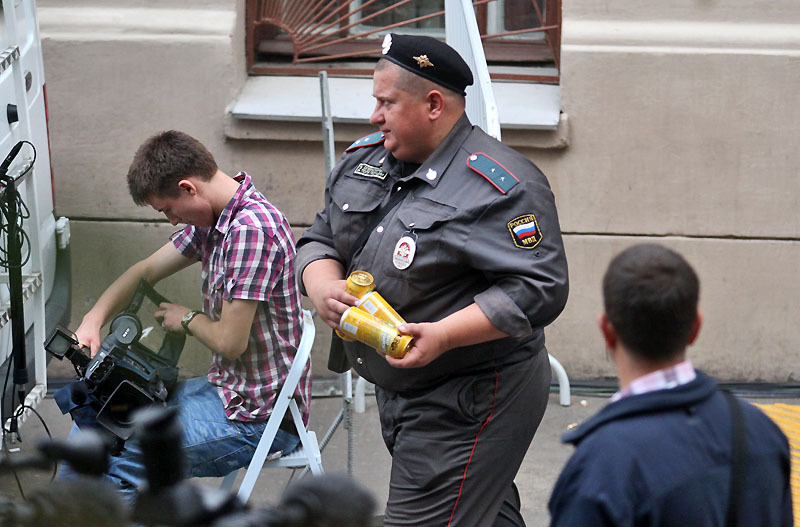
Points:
(683, 126)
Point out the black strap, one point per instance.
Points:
(337, 359)
(398, 194)
(739, 461)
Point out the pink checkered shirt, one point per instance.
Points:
(662, 379)
(249, 255)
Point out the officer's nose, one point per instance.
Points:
(377, 115)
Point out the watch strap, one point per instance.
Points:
(187, 318)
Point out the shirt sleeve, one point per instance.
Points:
(517, 244)
(253, 264)
(187, 242)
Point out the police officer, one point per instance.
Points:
(462, 237)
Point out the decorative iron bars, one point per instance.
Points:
(303, 37)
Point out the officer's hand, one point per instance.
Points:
(88, 334)
(430, 341)
(331, 300)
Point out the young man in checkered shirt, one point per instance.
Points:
(251, 316)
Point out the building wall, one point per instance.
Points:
(682, 129)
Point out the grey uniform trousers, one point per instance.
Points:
(457, 447)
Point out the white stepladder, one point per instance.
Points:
(307, 454)
(461, 28)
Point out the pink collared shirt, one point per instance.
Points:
(663, 379)
(249, 254)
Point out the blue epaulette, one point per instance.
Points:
(495, 173)
(369, 140)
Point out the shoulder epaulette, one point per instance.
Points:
(369, 140)
(495, 173)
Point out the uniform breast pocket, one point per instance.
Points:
(416, 243)
(353, 199)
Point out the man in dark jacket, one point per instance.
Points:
(660, 454)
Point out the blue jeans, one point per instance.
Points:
(213, 445)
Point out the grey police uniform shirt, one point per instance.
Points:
(467, 249)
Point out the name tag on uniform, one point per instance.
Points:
(366, 170)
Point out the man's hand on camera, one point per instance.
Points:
(88, 334)
(170, 315)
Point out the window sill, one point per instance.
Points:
(288, 108)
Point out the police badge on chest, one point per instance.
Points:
(404, 250)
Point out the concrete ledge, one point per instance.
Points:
(673, 35)
(346, 132)
(82, 24)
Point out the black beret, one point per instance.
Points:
(429, 58)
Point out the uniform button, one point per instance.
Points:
(360, 361)
(398, 189)
(345, 206)
(380, 229)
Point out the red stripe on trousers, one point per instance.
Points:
(475, 444)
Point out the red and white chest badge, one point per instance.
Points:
(404, 252)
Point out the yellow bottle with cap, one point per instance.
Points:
(363, 327)
(374, 304)
(358, 284)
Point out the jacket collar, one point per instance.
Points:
(701, 388)
(230, 210)
(432, 169)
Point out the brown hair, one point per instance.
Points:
(650, 295)
(418, 87)
(163, 160)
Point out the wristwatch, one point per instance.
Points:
(188, 317)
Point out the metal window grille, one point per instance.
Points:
(303, 37)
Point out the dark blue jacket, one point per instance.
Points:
(663, 459)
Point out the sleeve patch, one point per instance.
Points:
(369, 140)
(495, 173)
(525, 231)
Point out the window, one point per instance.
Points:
(301, 37)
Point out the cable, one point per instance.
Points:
(22, 213)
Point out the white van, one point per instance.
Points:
(42, 284)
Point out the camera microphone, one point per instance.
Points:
(82, 502)
(79, 393)
(87, 453)
(10, 157)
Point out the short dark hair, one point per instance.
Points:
(418, 87)
(650, 295)
(163, 160)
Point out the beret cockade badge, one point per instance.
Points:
(423, 61)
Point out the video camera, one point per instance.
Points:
(124, 375)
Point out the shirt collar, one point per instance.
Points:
(432, 169)
(663, 379)
(230, 210)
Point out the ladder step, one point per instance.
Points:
(30, 283)
(8, 57)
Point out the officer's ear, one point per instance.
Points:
(435, 103)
